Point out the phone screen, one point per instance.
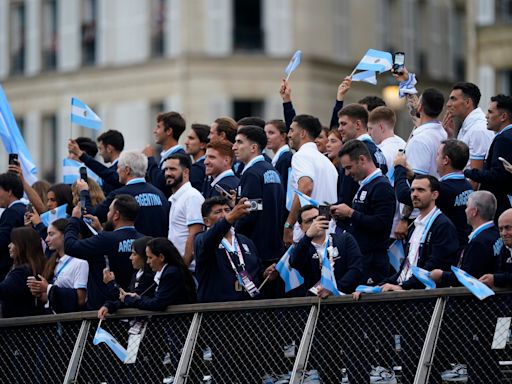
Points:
(399, 59)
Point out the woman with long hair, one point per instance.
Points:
(96, 194)
(28, 262)
(333, 147)
(142, 282)
(174, 282)
(63, 284)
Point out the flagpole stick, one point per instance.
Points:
(264, 282)
(287, 77)
(354, 71)
(99, 324)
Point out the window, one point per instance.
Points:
(49, 34)
(504, 10)
(17, 38)
(246, 108)
(248, 28)
(49, 142)
(158, 12)
(89, 12)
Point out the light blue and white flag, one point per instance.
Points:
(408, 87)
(50, 216)
(476, 287)
(305, 199)
(366, 76)
(293, 64)
(71, 172)
(82, 115)
(327, 279)
(423, 276)
(291, 277)
(377, 61)
(13, 141)
(368, 289)
(102, 336)
(396, 254)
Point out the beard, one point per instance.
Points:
(108, 226)
(177, 181)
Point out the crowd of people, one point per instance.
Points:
(208, 221)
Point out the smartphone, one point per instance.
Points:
(83, 173)
(30, 208)
(505, 162)
(325, 211)
(399, 62)
(13, 158)
(221, 190)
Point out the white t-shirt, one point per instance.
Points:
(185, 211)
(475, 134)
(70, 272)
(421, 149)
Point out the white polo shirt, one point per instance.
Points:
(475, 134)
(185, 211)
(70, 272)
(421, 149)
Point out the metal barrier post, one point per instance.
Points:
(188, 349)
(305, 345)
(78, 350)
(427, 353)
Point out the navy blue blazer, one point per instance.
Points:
(108, 174)
(228, 183)
(197, 174)
(11, 218)
(503, 273)
(15, 295)
(144, 285)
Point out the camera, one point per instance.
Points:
(399, 62)
(255, 204)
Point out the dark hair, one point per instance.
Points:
(469, 90)
(228, 126)
(279, 124)
(503, 103)
(355, 148)
(310, 124)
(433, 182)
(87, 145)
(255, 134)
(11, 182)
(184, 160)
(432, 101)
(303, 209)
(63, 195)
(139, 247)
(251, 120)
(29, 250)
(209, 203)
(127, 207)
(113, 138)
(174, 121)
(162, 246)
(202, 131)
(356, 112)
(458, 153)
(49, 269)
(372, 102)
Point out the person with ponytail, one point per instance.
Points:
(174, 282)
(63, 284)
(27, 255)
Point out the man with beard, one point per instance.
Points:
(110, 249)
(185, 218)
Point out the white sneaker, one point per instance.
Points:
(168, 380)
(344, 376)
(382, 375)
(459, 373)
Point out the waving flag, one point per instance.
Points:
(102, 336)
(396, 254)
(50, 216)
(327, 279)
(291, 277)
(82, 115)
(366, 76)
(71, 172)
(368, 289)
(13, 141)
(423, 276)
(377, 61)
(293, 64)
(305, 199)
(476, 287)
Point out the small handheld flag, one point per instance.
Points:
(396, 254)
(102, 336)
(305, 199)
(476, 287)
(82, 115)
(423, 276)
(327, 279)
(293, 64)
(366, 76)
(377, 61)
(50, 216)
(291, 277)
(71, 172)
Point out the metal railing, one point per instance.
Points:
(415, 337)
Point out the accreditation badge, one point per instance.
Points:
(248, 284)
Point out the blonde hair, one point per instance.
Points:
(95, 193)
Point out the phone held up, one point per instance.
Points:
(83, 173)
(399, 62)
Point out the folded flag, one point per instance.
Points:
(82, 115)
(293, 64)
(291, 277)
(476, 287)
(377, 61)
(408, 87)
(50, 216)
(102, 336)
(366, 76)
(305, 199)
(71, 172)
(13, 140)
(423, 276)
(396, 254)
(368, 289)
(327, 279)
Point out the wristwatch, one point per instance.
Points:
(287, 225)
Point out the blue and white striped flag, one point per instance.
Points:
(327, 279)
(82, 115)
(291, 277)
(13, 141)
(423, 276)
(71, 172)
(50, 216)
(293, 64)
(476, 287)
(102, 336)
(305, 199)
(368, 289)
(377, 61)
(366, 76)
(396, 254)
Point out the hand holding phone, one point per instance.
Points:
(505, 162)
(83, 173)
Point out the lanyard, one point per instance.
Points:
(479, 230)
(55, 277)
(285, 148)
(232, 250)
(453, 176)
(430, 221)
(368, 180)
